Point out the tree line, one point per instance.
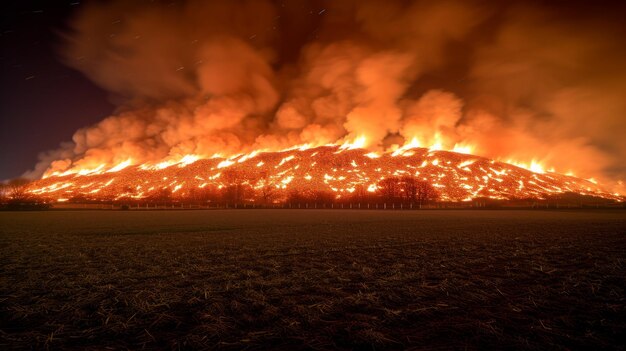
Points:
(15, 190)
(406, 189)
(236, 189)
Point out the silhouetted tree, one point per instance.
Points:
(426, 192)
(295, 196)
(164, 194)
(267, 191)
(410, 188)
(208, 193)
(231, 190)
(389, 188)
(323, 197)
(234, 190)
(17, 189)
(360, 193)
(4, 192)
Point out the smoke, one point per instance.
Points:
(515, 81)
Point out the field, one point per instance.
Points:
(313, 279)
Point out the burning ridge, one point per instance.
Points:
(339, 171)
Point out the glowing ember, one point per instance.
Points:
(334, 169)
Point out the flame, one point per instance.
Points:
(160, 165)
(225, 163)
(436, 146)
(120, 166)
(414, 143)
(246, 157)
(358, 143)
(188, 159)
(459, 177)
(463, 148)
(405, 149)
(339, 169)
(533, 166)
(437, 143)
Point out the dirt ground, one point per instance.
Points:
(313, 279)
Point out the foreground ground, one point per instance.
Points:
(313, 279)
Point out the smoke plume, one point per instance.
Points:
(514, 81)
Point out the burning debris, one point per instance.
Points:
(337, 172)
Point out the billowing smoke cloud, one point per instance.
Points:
(515, 81)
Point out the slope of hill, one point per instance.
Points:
(455, 176)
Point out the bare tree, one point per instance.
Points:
(295, 196)
(208, 193)
(17, 189)
(359, 194)
(389, 188)
(426, 192)
(235, 190)
(410, 186)
(164, 194)
(4, 192)
(267, 191)
(322, 196)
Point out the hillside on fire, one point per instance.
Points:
(317, 175)
(210, 81)
(312, 175)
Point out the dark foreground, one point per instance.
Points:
(313, 279)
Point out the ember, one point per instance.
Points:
(338, 170)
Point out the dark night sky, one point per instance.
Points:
(42, 101)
